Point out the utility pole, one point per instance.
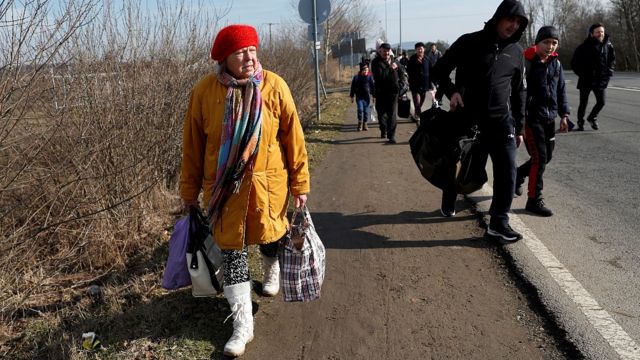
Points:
(386, 31)
(400, 43)
(270, 39)
(316, 47)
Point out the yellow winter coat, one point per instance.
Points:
(281, 164)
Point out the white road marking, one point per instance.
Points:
(601, 320)
(625, 89)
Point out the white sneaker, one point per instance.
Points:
(271, 279)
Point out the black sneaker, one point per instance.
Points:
(519, 187)
(504, 233)
(392, 141)
(594, 124)
(537, 207)
(580, 125)
(447, 213)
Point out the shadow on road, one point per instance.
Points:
(339, 231)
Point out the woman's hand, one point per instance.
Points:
(300, 200)
(188, 204)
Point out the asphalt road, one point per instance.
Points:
(592, 187)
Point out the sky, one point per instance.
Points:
(422, 20)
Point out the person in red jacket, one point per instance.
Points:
(546, 98)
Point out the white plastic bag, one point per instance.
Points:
(373, 117)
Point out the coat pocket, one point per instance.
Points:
(278, 194)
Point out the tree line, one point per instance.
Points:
(572, 18)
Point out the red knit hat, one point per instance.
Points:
(232, 38)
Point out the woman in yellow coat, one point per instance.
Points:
(243, 146)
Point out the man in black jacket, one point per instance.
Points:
(593, 61)
(419, 83)
(386, 77)
(489, 90)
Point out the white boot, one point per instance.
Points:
(271, 280)
(239, 298)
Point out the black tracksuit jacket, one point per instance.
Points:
(489, 75)
(594, 63)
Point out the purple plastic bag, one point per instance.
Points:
(176, 274)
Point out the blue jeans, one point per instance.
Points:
(363, 109)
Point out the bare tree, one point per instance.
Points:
(626, 15)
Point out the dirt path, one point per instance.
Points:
(402, 282)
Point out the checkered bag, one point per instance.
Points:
(302, 260)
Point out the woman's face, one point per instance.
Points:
(242, 62)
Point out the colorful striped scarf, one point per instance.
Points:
(241, 132)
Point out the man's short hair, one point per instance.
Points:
(418, 44)
(385, 46)
(595, 26)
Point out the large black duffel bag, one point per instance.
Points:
(444, 140)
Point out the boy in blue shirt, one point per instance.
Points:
(546, 99)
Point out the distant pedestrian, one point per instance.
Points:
(489, 89)
(386, 75)
(403, 60)
(433, 55)
(419, 83)
(362, 89)
(546, 98)
(594, 62)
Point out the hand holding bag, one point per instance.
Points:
(302, 260)
(204, 257)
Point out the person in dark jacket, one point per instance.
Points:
(433, 55)
(593, 61)
(419, 84)
(489, 89)
(387, 90)
(362, 87)
(546, 98)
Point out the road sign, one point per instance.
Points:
(320, 32)
(323, 9)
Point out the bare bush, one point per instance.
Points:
(91, 112)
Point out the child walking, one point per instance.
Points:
(362, 89)
(546, 99)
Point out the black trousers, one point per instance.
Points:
(502, 150)
(449, 195)
(540, 140)
(584, 100)
(387, 109)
